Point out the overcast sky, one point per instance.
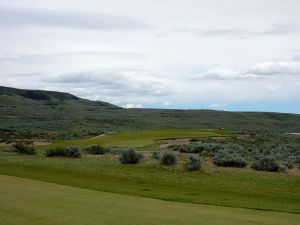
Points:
(241, 55)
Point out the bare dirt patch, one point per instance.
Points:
(41, 143)
(34, 143)
(179, 141)
(218, 138)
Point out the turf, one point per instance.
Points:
(214, 186)
(141, 139)
(27, 202)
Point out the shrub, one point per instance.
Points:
(168, 158)
(266, 163)
(22, 148)
(71, 151)
(195, 147)
(228, 159)
(55, 152)
(194, 163)
(130, 156)
(95, 149)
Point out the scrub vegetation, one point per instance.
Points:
(50, 115)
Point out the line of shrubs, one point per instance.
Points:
(95, 149)
(229, 159)
(75, 152)
(265, 157)
(268, 163)
(222, 156)
(169, 158)
(70, 151)
(23, 148)
(166, 158)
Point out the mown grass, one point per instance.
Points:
(28, 202)
(234, 188)
(141, 139)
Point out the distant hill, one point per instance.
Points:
(48, 114)
(8, 94)
(37, 94)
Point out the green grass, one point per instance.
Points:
(27, 202)
(141, 139)
(214, 186)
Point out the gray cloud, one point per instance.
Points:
(224, 32)
(227, 32)
(282, 29)
(275, 29)
(259, 70)
(272, 68)
(59, 57)
(114, 82)
(12, 17)
(296, 58)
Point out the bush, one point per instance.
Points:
(266, 163)
(168, 158)
(194, 163)
(195, 147)
(71, 151)
(228, 159)
(130, 156)
(95, 150)
(55, 152)
(22, 148)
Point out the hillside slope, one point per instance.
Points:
(31, 97)
(26, 113)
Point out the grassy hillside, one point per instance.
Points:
(57, 115)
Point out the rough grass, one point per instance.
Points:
(215, 186)
(141, 139)
(28, 202)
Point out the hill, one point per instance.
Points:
(48, 114)
(11, 95)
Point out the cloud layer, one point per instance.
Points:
(274, 30)
(17, 17)
(194, 54)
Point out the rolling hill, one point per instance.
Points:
(57, 115)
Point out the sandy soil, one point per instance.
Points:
(35, 143)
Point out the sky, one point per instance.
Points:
(238, 55)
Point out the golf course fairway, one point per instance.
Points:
(31, 202)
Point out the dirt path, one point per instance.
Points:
(101, 135)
